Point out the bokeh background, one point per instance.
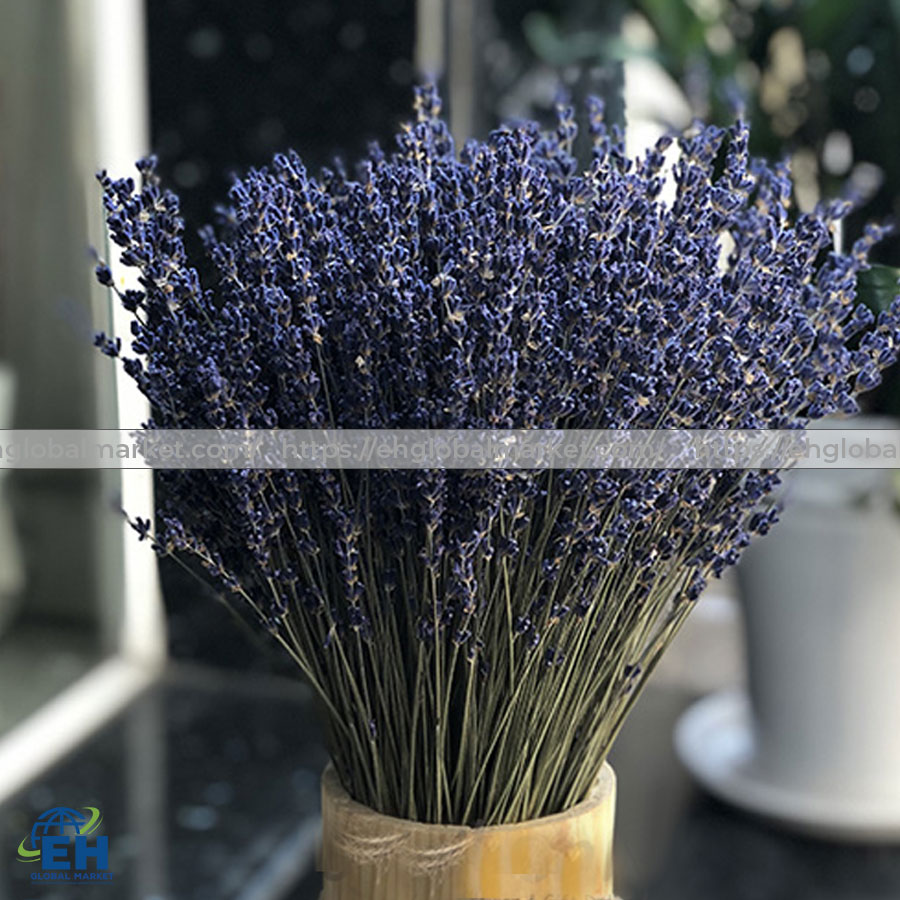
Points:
(227, 84)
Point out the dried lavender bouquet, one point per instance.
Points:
(478, 637)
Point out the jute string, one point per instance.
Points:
(368, 849)
(379, 850)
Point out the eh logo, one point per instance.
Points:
(60, 841)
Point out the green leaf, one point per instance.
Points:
(681, 32)
(877, 287)
(822, 21)
(553, 45)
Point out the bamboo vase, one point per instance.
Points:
(368, 856)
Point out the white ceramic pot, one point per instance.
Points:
(821, 602)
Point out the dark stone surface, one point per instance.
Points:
(675, 842)
(209, 790)
(720, 854)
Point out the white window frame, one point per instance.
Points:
(113, 34)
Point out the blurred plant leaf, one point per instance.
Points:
(681, 32)
(551, 44)
(877, 287)
(823, 20)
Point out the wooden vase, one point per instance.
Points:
(369, 856)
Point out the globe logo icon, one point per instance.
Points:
(61, 820)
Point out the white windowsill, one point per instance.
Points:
(68, 719)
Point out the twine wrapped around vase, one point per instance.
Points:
(369, 856)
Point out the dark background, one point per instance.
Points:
(231, 83)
